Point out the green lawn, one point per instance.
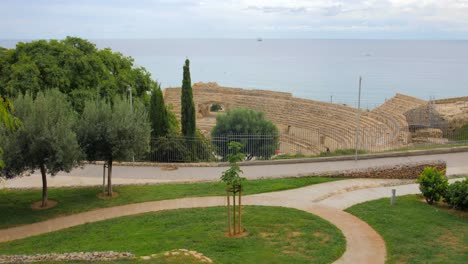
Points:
(15, 204)
(276, 235)
(415, 232)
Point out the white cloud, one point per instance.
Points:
(242, 18)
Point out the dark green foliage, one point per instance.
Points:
(46, 140)
(113, 132)
(7, 121)
(215, 108)
(457, 194)
(462, 133)
(158, 114)
(433, 184)
(169, 149)
(180, 149)
(174, 128)
(202, 148)
(258, 135)
(188, 106)
(341, 152)
(74, 66)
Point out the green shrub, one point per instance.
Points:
(169, 149)
(433, 184)
(292, 156)
(215, 108)
(457, 194)
(341, 152)
(462, 133)
(258, 135)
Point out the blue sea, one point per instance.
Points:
(325, 70)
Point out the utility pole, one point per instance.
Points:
(129, 89)
(331, 99)
(131, 109)
(358, 120)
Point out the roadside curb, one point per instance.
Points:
(295, 161)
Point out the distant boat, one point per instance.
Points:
(259, 39)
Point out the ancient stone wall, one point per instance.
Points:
(306, 126)
(401, 171)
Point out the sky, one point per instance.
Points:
(149, 19)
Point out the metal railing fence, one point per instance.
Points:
(303, 142)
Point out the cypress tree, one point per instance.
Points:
(188, 106)
(158, 114)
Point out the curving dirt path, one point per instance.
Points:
(364, 245)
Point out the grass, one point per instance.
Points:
(347, 152)
(415, 232)
(429, 146)
(15, 205)
(338, 152)
(276, 235)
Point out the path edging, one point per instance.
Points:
(409, 153)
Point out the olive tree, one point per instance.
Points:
(113, 132)
(45, 141)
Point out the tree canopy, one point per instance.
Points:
(159, 114)
(113, 132)
(188, 120)
(7, 120)
(259, 136)
(45, 140)
(74, 66)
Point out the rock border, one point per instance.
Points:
(73, 256)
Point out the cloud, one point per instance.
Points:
(233, 19)
(278, 9)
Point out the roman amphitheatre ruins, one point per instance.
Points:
(310, 127)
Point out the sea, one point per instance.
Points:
(318, 69)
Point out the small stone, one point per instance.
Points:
(145, 258)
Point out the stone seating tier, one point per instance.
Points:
(336, 123)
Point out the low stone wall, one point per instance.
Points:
(65, 257)
(410, 170)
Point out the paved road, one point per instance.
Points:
(457, 164)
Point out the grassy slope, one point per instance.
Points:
(276, 235)
(416, 232)
(15, 204)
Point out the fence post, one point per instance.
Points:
(358, 120)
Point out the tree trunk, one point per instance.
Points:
(234, 210)
(109, 178)
(229, 211)
(44, 185)
(240, 210)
